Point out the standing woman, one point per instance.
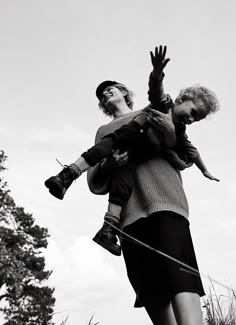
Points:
(156, 214)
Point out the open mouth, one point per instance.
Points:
(106, 98)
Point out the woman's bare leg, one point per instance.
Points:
(160, 312)
(187, 308)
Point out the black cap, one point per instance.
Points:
(103, 86)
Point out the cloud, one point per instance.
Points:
(39, 135)
(84, 278)
(81, 268)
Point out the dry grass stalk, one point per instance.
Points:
(220, 310)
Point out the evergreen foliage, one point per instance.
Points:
(23, 298)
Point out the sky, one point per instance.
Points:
(53, 54)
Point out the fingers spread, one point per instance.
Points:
(152, 56)
(164, 51)
(165, 62)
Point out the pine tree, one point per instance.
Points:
(23, 298)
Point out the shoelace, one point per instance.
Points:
(61, 163)
(67, 170)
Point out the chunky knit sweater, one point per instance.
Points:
(158, 185)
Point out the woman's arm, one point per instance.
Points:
(98, 177)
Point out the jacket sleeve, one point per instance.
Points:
(156, 95)
(185, 148)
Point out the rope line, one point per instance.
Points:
(187, 268)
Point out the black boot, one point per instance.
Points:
(59, 184)
(107, 237)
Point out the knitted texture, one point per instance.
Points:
(158, 185)
(77, 171)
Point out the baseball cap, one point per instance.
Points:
(103, 86)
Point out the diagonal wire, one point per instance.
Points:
(187, 268)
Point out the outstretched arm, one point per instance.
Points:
(200, 164)
(156, 95)
(159, 61)
(193, 155)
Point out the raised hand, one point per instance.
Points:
(159, 61)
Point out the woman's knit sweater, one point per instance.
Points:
(158, 186)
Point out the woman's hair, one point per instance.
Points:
(198, 92)
(128, 98)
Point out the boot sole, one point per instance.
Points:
(113, 250)
(55, 189)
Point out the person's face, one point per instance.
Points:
(189, 112)
(112, 95)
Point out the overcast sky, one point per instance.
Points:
(53, 54)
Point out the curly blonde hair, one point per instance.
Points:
(128, 99)
(199, 92)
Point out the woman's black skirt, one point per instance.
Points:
(152, 274)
